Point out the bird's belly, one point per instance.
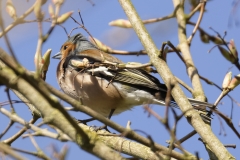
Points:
(133, 96)
(94, 92)
(101, 95)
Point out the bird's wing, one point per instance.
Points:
(97, 56)
(137, 78)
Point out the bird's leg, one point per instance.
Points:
(105, 126)
(111, 113)
(85, 121)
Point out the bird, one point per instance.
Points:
(103, 87)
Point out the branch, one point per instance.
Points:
(130, 134)
(37, 93)
(18, 20)
(184, 48)
(51, 110)
(211, 141)
(19, 133)
(7, 150)
(193, 117)
(202, 5)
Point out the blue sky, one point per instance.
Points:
(96, 18)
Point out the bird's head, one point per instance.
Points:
(73, 46)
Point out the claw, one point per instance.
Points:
(95, 128)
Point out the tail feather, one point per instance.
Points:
(194, 103)
(198, 105)
(162, 103)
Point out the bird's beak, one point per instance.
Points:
(57, 56)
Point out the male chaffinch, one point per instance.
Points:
(104, 89)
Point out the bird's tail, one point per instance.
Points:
(193, 102)
(198, 105)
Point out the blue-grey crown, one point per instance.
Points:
(81, 42)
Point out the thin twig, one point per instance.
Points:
(18, 20)
(228, 121)
(6, 37)
(7, 128)
(194, 11)
(9, 99)
(10, 140)
(189, 135)
(184, 85)
(202, 4)
(9, 151)
(36, 154)
(217, 86)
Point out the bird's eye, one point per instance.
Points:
(65, 47)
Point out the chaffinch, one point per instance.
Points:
(103, 88)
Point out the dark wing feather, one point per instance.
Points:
(136, 78)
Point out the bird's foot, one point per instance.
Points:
(95, 128)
